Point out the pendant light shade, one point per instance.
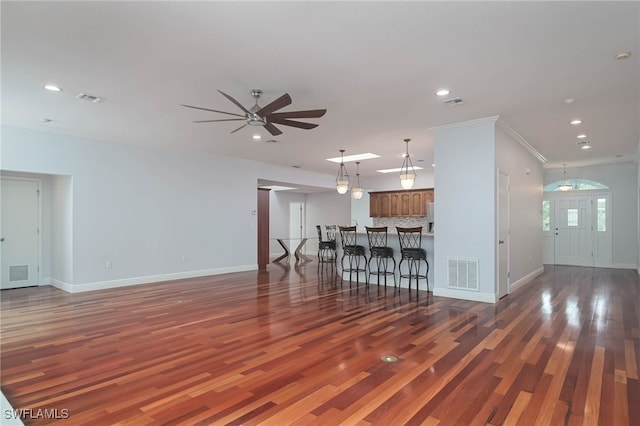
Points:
(357, 191)
(342, 181)
(407, 174)
(566, 186)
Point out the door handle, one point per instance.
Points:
(500, 242)
(1, 239)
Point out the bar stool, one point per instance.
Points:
(412, 251)
(326, 248)
(354, 252)
(379, 251)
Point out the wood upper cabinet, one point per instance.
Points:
(374, 205)
(379, 205)
(418, 206)
(400, 203)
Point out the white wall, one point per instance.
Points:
(622, 179)
(525, 207)
(327, 208)
(155, 214)
(465, 178)
(61, 230)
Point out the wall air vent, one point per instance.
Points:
(463, 274)
(453, 101)
(89, 98)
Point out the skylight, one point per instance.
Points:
(354, 157)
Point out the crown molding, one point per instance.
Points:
(522, 141)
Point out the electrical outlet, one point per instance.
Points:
(108, 264)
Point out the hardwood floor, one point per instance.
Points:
(292, 347)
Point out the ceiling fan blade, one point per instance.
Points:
(244, 125)
(312, 113)
(212, 110)
(281, 102)
(224, 119)
(292, 123)
(272, 129)
(238, 104)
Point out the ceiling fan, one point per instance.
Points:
(266, 116)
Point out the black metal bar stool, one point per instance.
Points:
(326, 248)
(412, 251)
(354, 252)
(379, 251)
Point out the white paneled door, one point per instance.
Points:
(20, 233)
(573, 242)
(503, 234)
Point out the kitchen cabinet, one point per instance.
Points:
(412, 203)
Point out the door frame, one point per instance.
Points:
(554, 196)
(40, 254)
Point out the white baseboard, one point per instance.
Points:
(625, 266)
(465, 295)
(526, 279)
(102, 285)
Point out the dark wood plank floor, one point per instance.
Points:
(291, 347)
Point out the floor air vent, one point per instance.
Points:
(463, 274)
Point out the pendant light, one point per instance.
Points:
(357, 191)
(565, 186)
(407, 175)
(342, 181)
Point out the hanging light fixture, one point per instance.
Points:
(342, 181)
(564, 186)
(357, 191)
(407, 174)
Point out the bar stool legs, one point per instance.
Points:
(382, 268)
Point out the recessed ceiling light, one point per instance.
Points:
(570, 101)
(623, 55)
(581, 136)
(52, 88)
(397, 169)
(433, 165)
(576, 122)
(442, 92)
(256, 137)
(584, 144)
(355, 157)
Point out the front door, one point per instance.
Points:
(573, 235)
(19, 233)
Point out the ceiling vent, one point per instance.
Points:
(453, 101)
(89, 98)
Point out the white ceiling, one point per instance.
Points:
(373, 65)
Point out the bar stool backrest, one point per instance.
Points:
(410, 238)
(331, 232)
(319, 229)
(377, 236)
(348, 236)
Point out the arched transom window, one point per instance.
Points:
(574, 185)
